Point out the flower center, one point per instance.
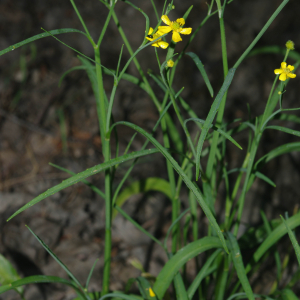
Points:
(286, 70)
(175, 26)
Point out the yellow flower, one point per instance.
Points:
(170, 63)
(175, 26)
(285, 71)
(159, 43)
(151, 293)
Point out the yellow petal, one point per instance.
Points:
(283, 65)
(181, 21)
(282, 77)
(151, 293)
(150, 30)
(176, 37)
(166, 19)
(149, 39)
(291, 68)
(185, 30)
(163, 44)
(291, 75)
(278, 71)
(155, 44)
(164, 29)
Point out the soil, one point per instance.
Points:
(71, 222)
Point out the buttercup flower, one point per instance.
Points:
(285, 71)
(170, 63)
(159, 43)
(175, 26)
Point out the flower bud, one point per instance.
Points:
(290, 45)
(170, 63)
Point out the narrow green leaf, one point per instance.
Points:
(265, 178)
(210, 117)
(173, 224)
(200, 66)
(180, 289)
(201, 275)
(222, 132)
(185, 178)
(274, 49)
(120, 296)
(8, 273)
(57, 259)
(284, 129)
(90, 274)
(143, 186)
(171, 268)
(239, 265)
(293, 239)
(82, 175)
(276, 234)
(286, 148)
(92, 187)
(288, 294)
(35, 279)
(39, 36)
(144, 287)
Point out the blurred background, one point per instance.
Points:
(34, 109)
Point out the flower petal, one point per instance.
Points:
(150, 31)
(155, 44)
(278, 71)
(176, 37)
(291, 75)
(185, 30)
(163, 44)
(166, 19)
(149, 39)
(282, 77)
(291, 68)
(164, 29)
(283, 65)
(181, 21)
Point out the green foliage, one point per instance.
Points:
(223, 269)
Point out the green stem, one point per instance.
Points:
(277, 11)
(101, 110)
(83, 24)
(220, 114)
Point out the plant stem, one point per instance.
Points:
(101, 110)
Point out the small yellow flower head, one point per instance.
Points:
(290, 45)
(285, 71)
(159, 43)
(279, 93)
(170, 63)
(151, 293)
(175, 26)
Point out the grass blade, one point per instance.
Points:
(82, 175)
(185, 178)
(239, 265)
(293, 239)
(39, 36)
(36, 279)
(284, 129)
(200, 66)
(171, 268)
(57, 259)
(210, 117)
